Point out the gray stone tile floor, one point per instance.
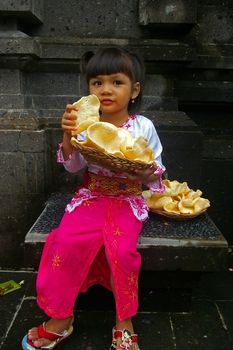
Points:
(207, 324)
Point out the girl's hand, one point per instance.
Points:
(144, 176)
(69, 119)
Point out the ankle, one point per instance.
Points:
(126, 324)
(59, 325)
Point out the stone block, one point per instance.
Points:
(182, 145)
(18, 212)
(215, 23)
(221, 149)
(52, 83)
(10, 81)
(208, 91)
(18, 44)
(182, 155)
(157, 103)
(29, 10)
(12, 178)
(154, 12)
(34, 173)
(158, 85)
(11, 249)
(11, 101)
(49, 101)
(165, 51)
(9, 140)
(87, 19)
(31, 141)
(57, 177)
(22, 173)
(18, 119)
(151, 49)
(216, 182)
(125, 21)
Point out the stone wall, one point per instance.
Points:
(187, 48)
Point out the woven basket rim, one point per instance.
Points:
(105, 158)
(176, 216)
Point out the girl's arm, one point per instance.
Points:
(152, 177)
(72, 160)
(68, 123)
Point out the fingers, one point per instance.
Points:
(70, 112)
(68, 122)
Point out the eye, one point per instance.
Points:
(117, 82)
(96, 82)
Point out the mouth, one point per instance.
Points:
(106, 102)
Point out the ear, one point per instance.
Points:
(135, 90)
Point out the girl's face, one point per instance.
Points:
(114, 92)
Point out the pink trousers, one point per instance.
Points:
(94, 242)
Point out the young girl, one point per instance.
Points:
(96, 241)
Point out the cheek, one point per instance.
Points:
(93, 91)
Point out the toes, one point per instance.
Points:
(33, 334)
(37, 342)
(41, 342)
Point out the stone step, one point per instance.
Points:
(165, 245)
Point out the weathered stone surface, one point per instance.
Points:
(34, 173)
(181, 155)
(75, 18)
(11, 101)
(158, 85)
(12, 173)
(31, 142)
(207, 329)
(18, 212)
(160, 103)
(217, 18)
(9, 140)
(10, 81)
(51, 83)
(151, 49)
(167, 12)
(218, 148)
(18, 119)
(182, 145)
(208, 91)
(49, 101)
(216, 182)
(29, 10)
(18, 45)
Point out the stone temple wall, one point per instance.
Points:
(187, 48)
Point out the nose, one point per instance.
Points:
(106, 89)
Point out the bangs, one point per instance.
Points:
(109, 61)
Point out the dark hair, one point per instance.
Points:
(114, 60)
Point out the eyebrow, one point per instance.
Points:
(114, 75)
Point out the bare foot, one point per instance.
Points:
(53, 325)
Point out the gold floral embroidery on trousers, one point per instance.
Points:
(56, 261)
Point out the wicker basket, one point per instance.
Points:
(109, 161)
(176, 216)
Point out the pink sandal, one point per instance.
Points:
(55, 338)
(126, 337)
